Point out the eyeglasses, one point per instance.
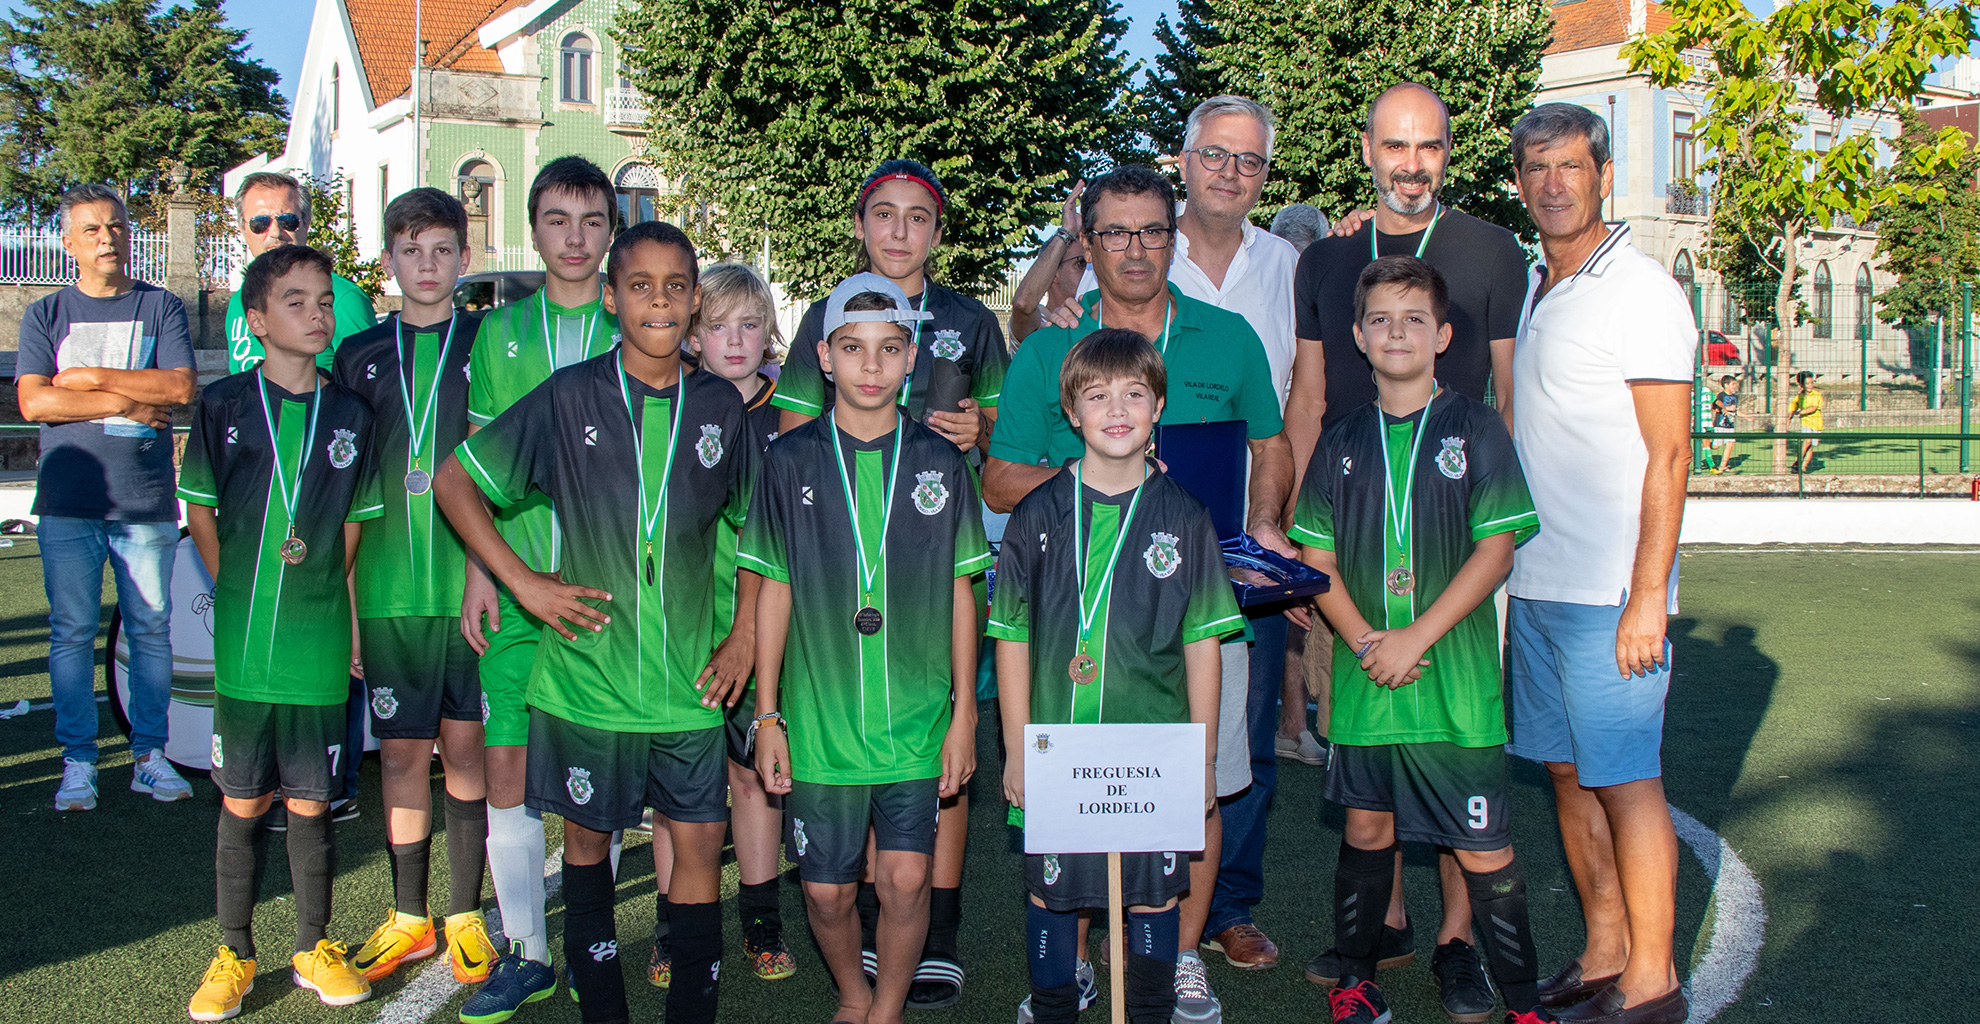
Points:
(1251, 165)
(1151, 238)
(289, 221)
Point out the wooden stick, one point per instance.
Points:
(1116, 933)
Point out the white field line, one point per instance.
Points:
(1739, 921)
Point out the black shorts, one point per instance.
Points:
(604, 780)
(1078, 881)
(418, 669)
(1440, 793)
(827, 825)
(735, 724)
(259, 748)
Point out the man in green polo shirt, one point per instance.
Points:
(274, 210)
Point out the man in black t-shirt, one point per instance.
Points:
(1407, 146)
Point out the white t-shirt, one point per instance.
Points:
(1258, 286)
(1622, 318)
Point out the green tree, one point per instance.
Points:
(1182, 77)
(1930, 246)
(770, 113)
(117, 91)
(1763, 78)
(1317, 63)
(331, 230)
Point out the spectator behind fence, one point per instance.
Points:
(101, 364)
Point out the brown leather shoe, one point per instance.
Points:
(1567, 987)
(1245, 947)
(1606, 1006)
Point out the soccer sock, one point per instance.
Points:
(312, 864)
(944, 918)
(467, 852)
(591, 943)
(515, 862)
(1498, 906)
(1362, 881)
(409, 865)
(1155, 934)
(662, 924)
(697, 941)
(1151, 982)
(1052, 941)
(867, 902)
(760, 913)
(237, 878)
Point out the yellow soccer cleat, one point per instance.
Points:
(469, 947)
(327, 971)
(402, 938)
(228, 980)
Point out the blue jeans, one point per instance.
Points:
(1241, 871)
(141, 554)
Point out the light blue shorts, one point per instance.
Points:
(1569, 703)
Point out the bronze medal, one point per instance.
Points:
(1401, 581)
(294, 550)
(867, 620)
(1083, 669)
(418, 481)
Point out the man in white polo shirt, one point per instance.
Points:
(1603, 371)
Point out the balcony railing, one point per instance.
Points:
(625, 107)
(1689, 203)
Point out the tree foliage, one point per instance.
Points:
(1318, 63)
(331, 230)
(1930, 245)
(117, 91)
(1181, 77)
(772, 113)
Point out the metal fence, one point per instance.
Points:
(34, 256)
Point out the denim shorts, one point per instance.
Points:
(1569, 702)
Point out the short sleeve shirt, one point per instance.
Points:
(351, 305)
(1169, 589)
(1481, 263)
(1416, 493)
(1620, 318)
(282, 632)
(595, 442)
(517, 348)
(1217, 372)
(866, 709)
(113, 469)
(963, 344)
(410, 562)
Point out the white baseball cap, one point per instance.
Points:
(836, 315)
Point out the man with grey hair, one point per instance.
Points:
(273, 210)
(101, 364)
(1299, 223)
(1604, 373)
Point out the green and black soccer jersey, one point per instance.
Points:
(1169, 588)
(411, 562)
(866, 709)
(517, 348)
(962, 355)
(595, 441)
(763, 419)
(1402, 502)
(282, 632)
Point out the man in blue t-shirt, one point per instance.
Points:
(101, 364)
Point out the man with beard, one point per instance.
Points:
(1407, 145)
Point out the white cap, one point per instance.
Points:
(835, 305)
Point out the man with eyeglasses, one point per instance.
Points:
(274, 211)
(1218, 371)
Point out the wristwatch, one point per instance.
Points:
(1062, 235)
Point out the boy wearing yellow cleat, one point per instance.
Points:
(283, 452)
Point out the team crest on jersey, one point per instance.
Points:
(343, 448)
(579, 784)
(1162, 557)
(948, 345)
(219, 759)
(233, 435)
(1051, 869)
(798, 838)
(709, 448)
(383, 704)
(930, 496)
(1450, 460)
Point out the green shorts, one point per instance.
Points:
(505, 669)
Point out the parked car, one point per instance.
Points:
(485, 291)
(1718, 350)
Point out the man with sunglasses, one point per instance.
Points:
(274, 211)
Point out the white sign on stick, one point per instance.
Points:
(1113, 788)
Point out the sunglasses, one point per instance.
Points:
(289, 221)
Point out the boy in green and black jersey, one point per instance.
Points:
(867, 530)
(1111, 599)
(518, 347)
(272, 474)
(645, 465)
(1413, 506)
(419, 671)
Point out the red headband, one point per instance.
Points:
(900, 176)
